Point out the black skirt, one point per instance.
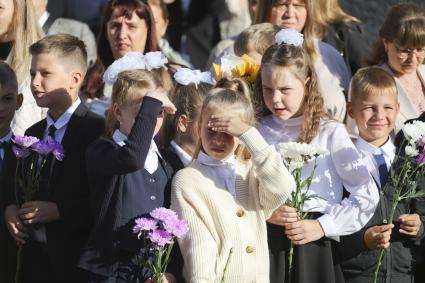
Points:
(312, 263)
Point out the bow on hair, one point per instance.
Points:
(186, 76)
(134, 61)
(289, 37)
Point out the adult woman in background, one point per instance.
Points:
(18, 30)
(127, 25)
(342, 31)
(333, 75)
(400, 50)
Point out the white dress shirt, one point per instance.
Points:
(6, 138)
(61, 124)
(185, 158)
(342, 167)
(222, 172)
(151, 162)
(369, 150)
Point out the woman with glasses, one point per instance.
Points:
(400, 50)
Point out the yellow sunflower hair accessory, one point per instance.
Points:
(237, 67)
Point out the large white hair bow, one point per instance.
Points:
(289, 37)
(134, 61)
(186, 76)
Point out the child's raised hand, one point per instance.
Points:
(304, 231)
(378, 237)
(162, 96)
(409, 224)
(229, 122)
(283, 215)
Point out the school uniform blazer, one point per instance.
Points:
(8, 246)
(407, 109)
(107, 165)
(68, 188)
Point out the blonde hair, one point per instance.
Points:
(404, 25)
(235, 84)
(328, 12)
(126, 90)
(264, 9)
(26, 31)
(70, 50)
(260, 37)
(222, 96)
(371, 80)
(297, 59)
(188, 100)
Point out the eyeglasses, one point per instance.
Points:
(405, 53)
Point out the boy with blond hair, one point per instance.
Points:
(59, 215)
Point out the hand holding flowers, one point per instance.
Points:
(378, 237)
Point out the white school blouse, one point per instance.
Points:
(342, 166)
(367, 150)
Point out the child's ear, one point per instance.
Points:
(350, 109)
(116, 111)
(76, 79)
(182, 123)
(19, 101)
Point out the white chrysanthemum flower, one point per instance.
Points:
(186, 76)
(290, 37)
(411, 150)
(414, 131)
(295, 151)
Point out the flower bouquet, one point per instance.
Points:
(409, 166)
(158, 233)
(32, 156)
(295, 156)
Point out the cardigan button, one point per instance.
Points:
(151, 180)
(153, 197)
(240, 212)
(250, 249)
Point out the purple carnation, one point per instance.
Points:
(25, 141)
(163, 214)
(420, 158)
(21, 152)
(176, 227)
(160, 238)
(144, 224)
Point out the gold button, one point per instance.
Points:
(250, 249)
(240, 212)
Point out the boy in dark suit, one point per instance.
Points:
(10, 101)
(60, 213)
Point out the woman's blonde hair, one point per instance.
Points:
(264, 10)
(403, 25)
(297, 59)
(25, 32)
(328, 12)
(126, 90)
(222, 96)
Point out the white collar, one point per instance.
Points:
(7, 137)
(119, 138)
(43, 19)
(388, 149)
(63, 120)
(185, 158)
(205, 159)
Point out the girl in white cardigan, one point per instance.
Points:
(227, 193)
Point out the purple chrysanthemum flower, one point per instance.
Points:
(144, 224)
(160, 238)
(163, 214)
(421, 141)
(42, 147)
(57, 148)
(25, 141)
(21, 152)
(420, 158)
(176, 227)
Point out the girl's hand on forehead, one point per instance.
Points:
(162, 96)
(229, 122)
